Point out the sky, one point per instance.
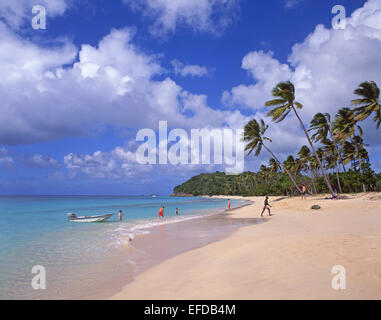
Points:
(73, 96)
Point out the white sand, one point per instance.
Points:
(288, 256)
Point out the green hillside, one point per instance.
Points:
(247, 183)
(265, 183)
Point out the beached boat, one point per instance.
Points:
(103, 217)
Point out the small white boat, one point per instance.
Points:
(103, 217)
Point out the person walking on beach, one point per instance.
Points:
(267, 206)
(177, 211)
(161, 212)
(304, 189)
(229, 204)
(120, 215)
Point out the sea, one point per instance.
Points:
(79, 260)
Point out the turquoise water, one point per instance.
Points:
(34, 230)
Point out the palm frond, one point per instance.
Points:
(279, 113)
(275, 102)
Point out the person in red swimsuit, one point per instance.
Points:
(120, 215)
(229, 204)
(161, 212)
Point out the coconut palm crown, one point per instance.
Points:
(254, 135)
(321, 125)
(368, 102)
(285, 100)
(345, 124)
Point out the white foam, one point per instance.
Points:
(152, 223)
(126, 233)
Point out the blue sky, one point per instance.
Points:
(75, 94)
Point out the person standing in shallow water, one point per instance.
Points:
(120, 215)
(266, 206)
(229, 204)
(177, 211)
(161, 212)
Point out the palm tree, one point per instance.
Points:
(368, 102)
(284, 103)
(248, 180)
(264, 173)
(304, 155)
(274, 166)
(251, 180)
(315, 168)
(241, 180)
(322, 125)
(345, 125)
(293, 165)
(254, 136)
(361, 152)
(355, 153)
(330, 152)
(349, 153)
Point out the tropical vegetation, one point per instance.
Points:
(334, 160)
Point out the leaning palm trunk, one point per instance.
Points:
(338, 153)
(337, 149)
(362, 173)
(284, 168)
(338, 179)
(360, 164)
(313, 181)
(340, 160)
(315, 153)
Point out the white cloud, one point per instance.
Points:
(17, 12)
(119, 163)
(267, 71)
(23, 61)
(46, 95)
(212, 16)
(292, 3)
(193, 70)
(5, 160)
(41, 162)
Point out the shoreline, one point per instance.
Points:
(180, 237)
(291, 257)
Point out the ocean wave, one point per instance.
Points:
(123, 235)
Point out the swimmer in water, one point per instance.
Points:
(120, 215)
(161, 212)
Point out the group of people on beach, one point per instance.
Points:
(267, 206)
(161, 213)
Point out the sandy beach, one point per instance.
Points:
(288, 256)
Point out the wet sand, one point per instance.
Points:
(289, 257)
(169, 240)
